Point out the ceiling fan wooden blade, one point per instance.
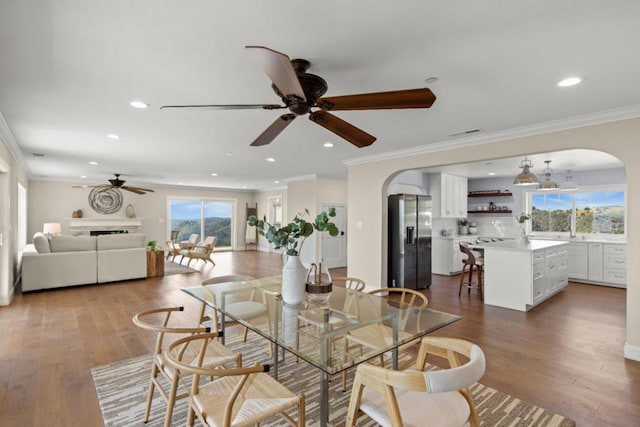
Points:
(136, 190)
(410, 98)
(274, 130)
(277, 66)
(346, 130)
(227, 107)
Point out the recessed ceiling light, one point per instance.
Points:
(92, 163)
(569, 81)
(270, 159)
(431, 80)
(113, 136)
(276, 182)
(213, 174)
(138, 104)
(328, 144)
(491, 173)
(244, 186)
(83, 176)
(229, 153)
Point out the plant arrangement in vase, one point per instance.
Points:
(291, 237)
(522, 220)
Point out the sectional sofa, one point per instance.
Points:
(79, 260)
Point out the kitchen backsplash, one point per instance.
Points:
(494, 226)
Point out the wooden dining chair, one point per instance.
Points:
(379, 335)
(235, 397)
(214, 356)
(419, 397)
(473, 262)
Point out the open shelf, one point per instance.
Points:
(501, 211)
(491, 194)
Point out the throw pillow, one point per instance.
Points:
(41, 243)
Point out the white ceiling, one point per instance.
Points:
(69, 67)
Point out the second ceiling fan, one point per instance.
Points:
(301, 93)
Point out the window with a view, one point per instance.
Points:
(580, 212)
(202, 217)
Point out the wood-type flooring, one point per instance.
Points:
(565, 355)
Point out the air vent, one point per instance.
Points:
(466, 132)
(37, 154)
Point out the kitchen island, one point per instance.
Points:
(521, 275)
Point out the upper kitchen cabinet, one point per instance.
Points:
(449, 195)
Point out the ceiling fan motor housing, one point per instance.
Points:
(313, 87)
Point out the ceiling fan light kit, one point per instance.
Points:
(302, 92)
(116, 183)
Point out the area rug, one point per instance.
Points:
(171, 267)
(122, 388)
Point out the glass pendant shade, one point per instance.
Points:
(526, 177)
(569, 184)
(548, 183)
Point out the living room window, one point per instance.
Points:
(206, 217)
(584, 212)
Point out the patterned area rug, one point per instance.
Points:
(122, 388)
(171, 267)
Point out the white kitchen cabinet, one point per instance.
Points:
(578, 261)
(520, 276)
(449, 195)
(446, 257)
(596, 262)
(615, 263)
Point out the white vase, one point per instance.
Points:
(293, 277)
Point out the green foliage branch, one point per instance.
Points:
(292, 236)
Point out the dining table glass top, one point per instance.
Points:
(333, 333)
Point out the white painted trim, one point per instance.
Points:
(486, 138)
(632, 352)
(7, 136)
(301, 178)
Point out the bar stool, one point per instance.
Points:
(474, 261)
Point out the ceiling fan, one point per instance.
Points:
(301, 93)
(117, 183)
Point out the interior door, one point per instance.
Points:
(334, 249)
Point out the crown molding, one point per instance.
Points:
(629, 112)
(7, 137)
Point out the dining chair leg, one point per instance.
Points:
(154, 374)
(171, 400)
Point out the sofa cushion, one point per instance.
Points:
(120, 241)
(73, 243)
(41, 243)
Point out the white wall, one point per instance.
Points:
(55, 201)
(367, 197)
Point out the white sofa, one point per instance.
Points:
(78, 260)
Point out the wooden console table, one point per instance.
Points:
(155, 263)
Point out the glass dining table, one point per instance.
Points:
(319, 330)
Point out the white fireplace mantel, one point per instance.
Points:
(84, 226)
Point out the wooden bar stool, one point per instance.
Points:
(474, 261)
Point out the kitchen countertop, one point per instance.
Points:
(518, 245)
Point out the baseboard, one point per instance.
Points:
(632, 352)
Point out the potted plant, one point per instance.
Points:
(522, 226)
(291, 237)
(153, 246)
(463, 224)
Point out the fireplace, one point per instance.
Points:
(97, 226)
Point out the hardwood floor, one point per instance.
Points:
(565, 355)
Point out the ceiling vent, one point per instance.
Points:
(466, 132)
(37, 154)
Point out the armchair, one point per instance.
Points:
(200, 251)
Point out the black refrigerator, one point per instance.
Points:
(409, 254)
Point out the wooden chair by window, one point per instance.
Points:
(216, 356)
(176, 248)
(173, 247)
(418, 397)
(241, 396)
(200, 251)
(474, 261)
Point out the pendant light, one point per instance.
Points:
(526, 177)
(569, 184)
(548, 183)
